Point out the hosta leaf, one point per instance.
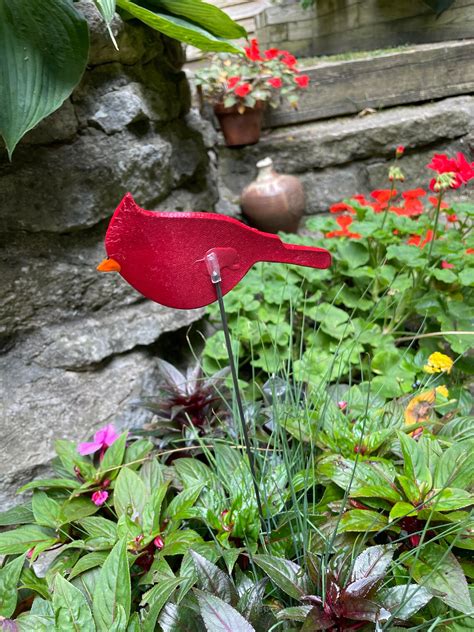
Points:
(219, 616)
(206, 15)
(20, 540)
(438, 570)
(112, 588)
(43, 52)
(71, 609)
(403, 601)
(9, 577)
(285, 574)
(178, 28)
(213, 580)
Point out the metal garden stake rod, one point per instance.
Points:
(213, 267)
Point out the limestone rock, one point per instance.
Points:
(47, 404)
(61, 125)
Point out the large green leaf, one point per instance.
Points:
(9, 576)
(438, 570)
(112, 589)
(285, 574)
(43, 52)
(20, 540)
(219, 616)
(157, 597)
(71, 609)
(206, 15)
(177, 28)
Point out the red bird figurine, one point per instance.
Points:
(163, 255)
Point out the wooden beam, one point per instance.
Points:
(421, 73)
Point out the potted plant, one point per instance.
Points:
(240, 87)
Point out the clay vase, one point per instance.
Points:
(274, 201)
(240, 128)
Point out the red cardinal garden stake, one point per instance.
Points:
(187, 260)
(163, 255)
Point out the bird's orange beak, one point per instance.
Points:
(109, 265)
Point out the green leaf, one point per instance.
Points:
(354, 253)
(21, 514)
(98, 527)
(46, 510)
(156, 598)
(51, 483)
(24, 538)
(35, 623)
(401, 510)
(71, 609)
(455, 467)
(113, 456)
(43, 52)
(130, 494)
(213, 580)
(178, 507)
(438, 570)
(448, 499)
(152, 510)
(466, 277)
(362, 520)
(9, 577)
(285, 574)
(112, 588)
(85, 563)
(206, 15)
(415, 466)
(178, 28)
(152, 475)
(403, 601)
(106, 9)
(219, 616)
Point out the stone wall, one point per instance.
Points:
(340, 26)
(343, 156)
(76, 344)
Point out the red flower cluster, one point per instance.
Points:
(242, 89)
(344, 222)
(462, 170)
(253, 53)
(415, 240)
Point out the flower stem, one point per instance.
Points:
(435, 224)
(392, 186)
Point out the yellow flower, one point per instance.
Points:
(419, 407)
(442, 390)
(438, 363)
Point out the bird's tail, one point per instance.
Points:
(308, 256)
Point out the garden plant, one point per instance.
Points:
(357, 401)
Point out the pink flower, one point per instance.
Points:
(302, 81)
(103, 439)
(342, 405)
(446, 266)
(159, 542)
(243, 89)
(275, 82)
(99, 498)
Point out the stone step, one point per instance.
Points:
(339, 157)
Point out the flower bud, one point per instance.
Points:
(159, 542)
(399, 151)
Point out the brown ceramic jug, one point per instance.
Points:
(274, 201)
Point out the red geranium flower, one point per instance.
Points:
(232, 82)
(415, 240)
(399, 151)
(361, 199)
(413, 193)
(459, 166)
(452, 218)
(341, 207)
(253, 51)
(383, 196)
(288, 59)
(344, 222)
(243, 89)
(302, 81)
(271, 53)
(446, 266)
(275, 82)
(470, 251)
(434, 202)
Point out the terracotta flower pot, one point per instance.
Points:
(274, 201)
(240, 128)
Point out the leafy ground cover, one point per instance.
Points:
(358, 405)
